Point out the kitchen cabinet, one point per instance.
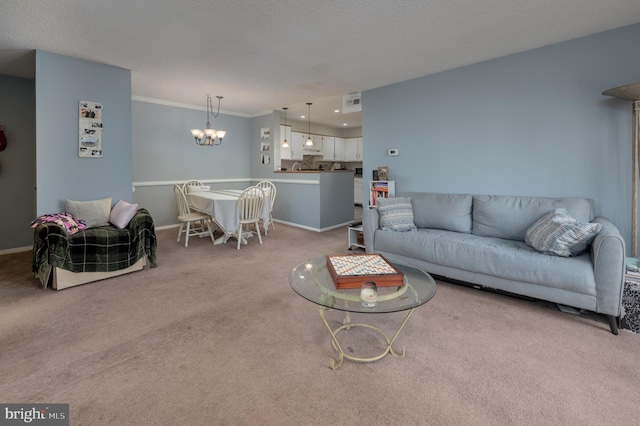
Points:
(338, 149)
(332, 148)
(296, 143)
(353, 149)
(358, 190)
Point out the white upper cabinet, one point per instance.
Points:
(327, 148)
(353, 149)
(333, 149)
(338, 149)
(297, 142)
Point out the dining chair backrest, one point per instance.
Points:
(181, 201)
(191, 185)
(250, 204)
(269, 189)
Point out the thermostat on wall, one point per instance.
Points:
(393, 152)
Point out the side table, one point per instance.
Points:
(354, 241)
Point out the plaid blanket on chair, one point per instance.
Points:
(100, 249)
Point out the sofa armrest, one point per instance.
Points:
(370, 224)
(608, 257)
(141, 228)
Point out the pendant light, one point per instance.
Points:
(285, 144)
(309, 141)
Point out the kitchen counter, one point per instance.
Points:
(318, 200)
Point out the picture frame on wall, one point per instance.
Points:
(383, 172)
(90, 129)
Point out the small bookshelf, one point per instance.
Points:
(632, 272)
(381, 189)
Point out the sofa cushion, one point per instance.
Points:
(451, 212)
(396, 214)
(557, 233)
(122, 213)
(94, 213)
(509, 217)
(506, 259)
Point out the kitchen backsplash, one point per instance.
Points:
(310, 162)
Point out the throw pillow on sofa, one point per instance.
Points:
(396, 214)
(94, 213)
(557, 233)
(122, 213)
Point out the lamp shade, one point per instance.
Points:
(629, 92)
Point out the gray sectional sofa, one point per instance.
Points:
(480, 239)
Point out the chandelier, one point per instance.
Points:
(213, 137)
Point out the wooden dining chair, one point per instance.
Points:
(191, 223)
(250, 204)
(269, 189)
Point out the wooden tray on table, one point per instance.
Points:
(349, 271)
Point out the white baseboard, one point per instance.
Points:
(15, 250)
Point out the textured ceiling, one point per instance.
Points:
(265, 54)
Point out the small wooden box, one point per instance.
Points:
(349, 271)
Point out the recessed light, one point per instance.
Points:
(344, 124)
(336, 110)
(302, 116)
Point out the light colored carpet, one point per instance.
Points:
(216, 336)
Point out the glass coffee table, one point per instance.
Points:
(311, 280)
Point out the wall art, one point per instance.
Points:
(90, 129)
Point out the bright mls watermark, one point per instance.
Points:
(34, 414)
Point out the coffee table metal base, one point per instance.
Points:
(347, 324)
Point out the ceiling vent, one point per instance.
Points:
(352, 102)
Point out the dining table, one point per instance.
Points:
(222, 206)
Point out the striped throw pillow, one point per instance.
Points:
(396, 214)
(557, 233)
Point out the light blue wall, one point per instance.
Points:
(163, 148)
(61, 83)
(269, 121)
(17, 161)
(533, 123)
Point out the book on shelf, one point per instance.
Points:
(380, 188)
